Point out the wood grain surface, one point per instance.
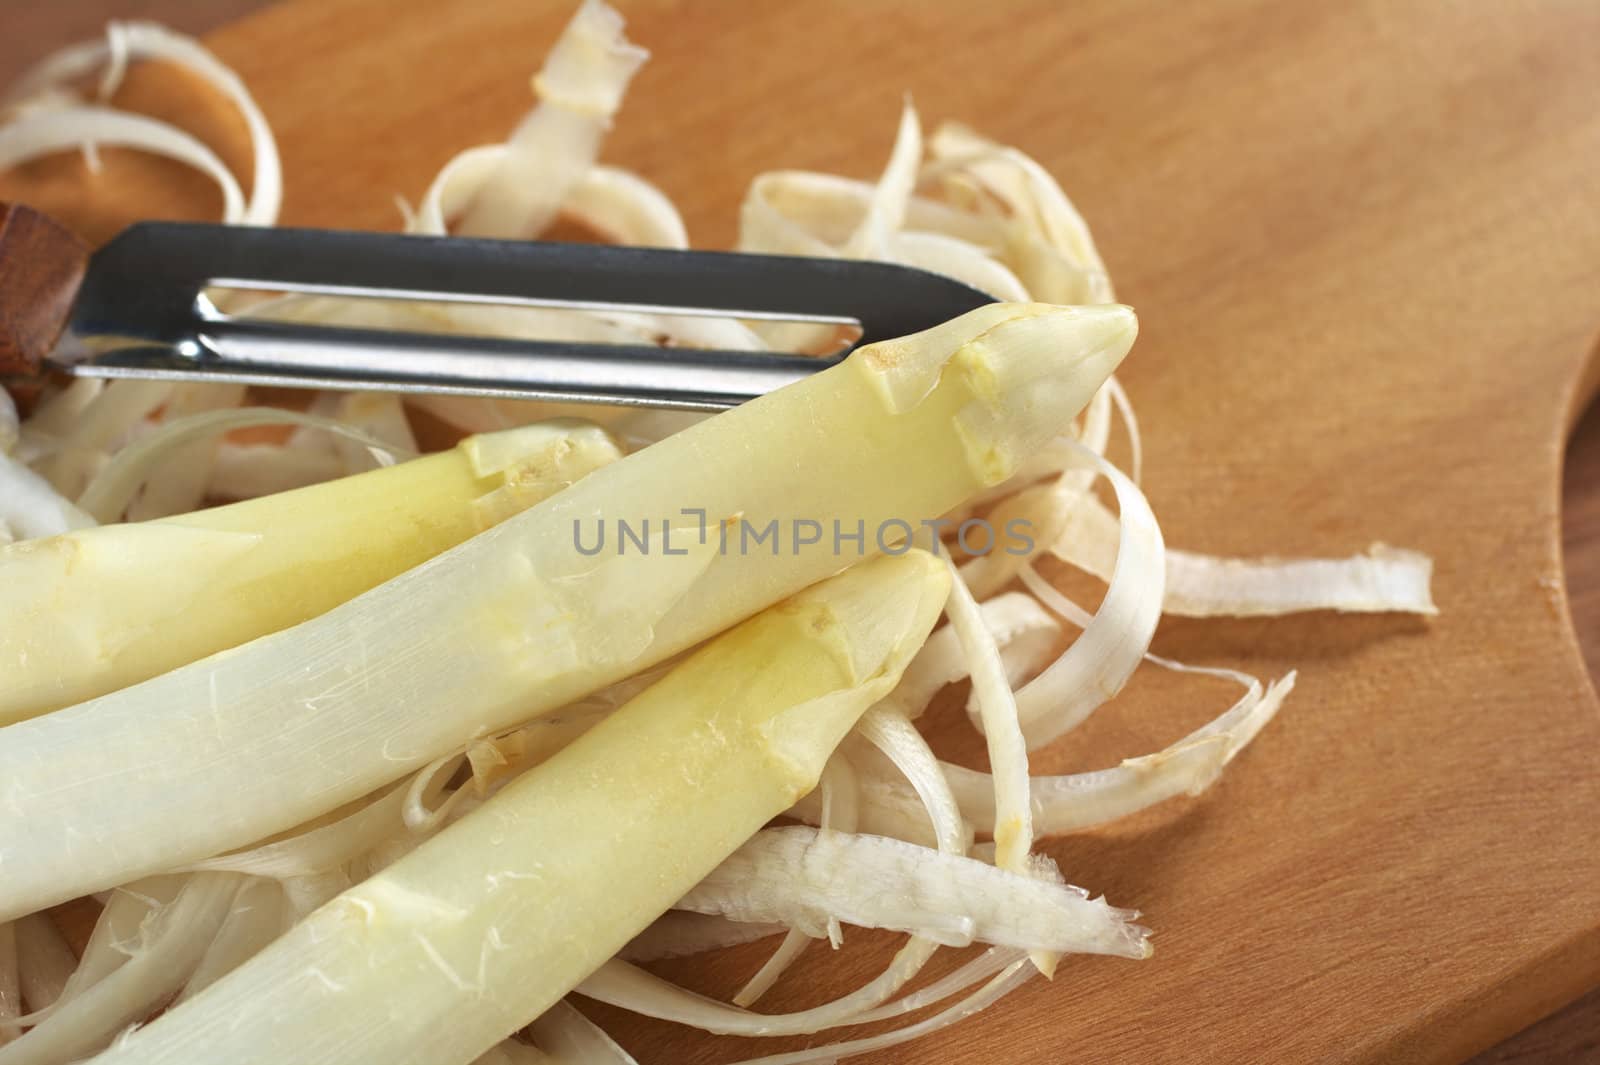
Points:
(41, 267)
(1365, 246)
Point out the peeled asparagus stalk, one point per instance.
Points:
(482, 928)
(94, 610)
(523, 618)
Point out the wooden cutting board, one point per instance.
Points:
(1364, 242)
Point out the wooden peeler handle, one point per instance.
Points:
(41, 266)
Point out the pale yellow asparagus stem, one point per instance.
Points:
(91, 611)
(524, 618)
(478, 931)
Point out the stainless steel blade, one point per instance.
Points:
(142, 312)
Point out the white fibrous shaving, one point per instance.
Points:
(1381, 579)
(107, 423)
(170, 945)
(186, 469)
(31, 508)
(1001, 723)
(626, 209)
(567, 1035)
(53, 123)
(10, 423)
(805, 877)
(135, 465)
(895, 837)
(898, 741)
(839, 796)
(41, 133)
(678, 933)
(129, 910)
(1099, 662)
(1009, 979)
(258, 914)
(579, 90)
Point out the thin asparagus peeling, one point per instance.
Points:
(837, 788)
(678, 933)
(272, 827)
(1380, 579)
(47, 105)
(185, 467)
(10, 422)
(580, 89)
(569, 1036)
(1077, 801)
(127, 480)
(128, 912)
(173, 946)
(804, 878)
(30, 508)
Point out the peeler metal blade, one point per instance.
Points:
(142, 311)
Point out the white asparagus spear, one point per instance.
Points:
(525, 617)
(481, 929)
(91, 611)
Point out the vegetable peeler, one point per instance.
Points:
(137, 308)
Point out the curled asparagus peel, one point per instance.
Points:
(481, 929)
